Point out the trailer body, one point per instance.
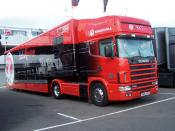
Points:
(165, 51)
(105, 59)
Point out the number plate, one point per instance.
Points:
(145, 93)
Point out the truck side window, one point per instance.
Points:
(44, 50)
(102, 44)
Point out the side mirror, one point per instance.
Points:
(109, 52)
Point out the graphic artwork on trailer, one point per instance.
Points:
(9, 69)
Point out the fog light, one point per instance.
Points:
(155, 83)
(124, 88)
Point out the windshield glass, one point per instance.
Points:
(135, 47)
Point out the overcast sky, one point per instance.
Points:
(49, 13)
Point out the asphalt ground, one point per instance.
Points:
(28, 111)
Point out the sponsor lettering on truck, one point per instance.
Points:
(105, 59)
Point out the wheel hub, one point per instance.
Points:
(99, 95)
(56, 90)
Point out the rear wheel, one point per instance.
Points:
(56, 92)
(99, 94)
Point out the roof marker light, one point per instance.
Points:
(123, 34)
(148, 36)
(133, 35)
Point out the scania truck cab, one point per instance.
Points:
(121, 50)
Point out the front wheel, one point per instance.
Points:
(56, 90)
(99, 94)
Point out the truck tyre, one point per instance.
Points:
(56, 92)
(99, 94)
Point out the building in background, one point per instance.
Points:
(13, 36)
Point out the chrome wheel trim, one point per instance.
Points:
(56, 90)
(98, 94)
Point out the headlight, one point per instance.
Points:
(124, 88)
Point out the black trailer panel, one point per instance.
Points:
(165, 51)
(159, 45)
(170, 46)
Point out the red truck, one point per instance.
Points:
(105, 59)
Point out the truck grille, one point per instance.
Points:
(143, 76)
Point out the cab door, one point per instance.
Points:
(105, 60)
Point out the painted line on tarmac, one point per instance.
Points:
(167, 93)
(61, 114)
(102, 116)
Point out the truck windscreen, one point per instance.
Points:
(128, 48)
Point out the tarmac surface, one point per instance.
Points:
(28, 111)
